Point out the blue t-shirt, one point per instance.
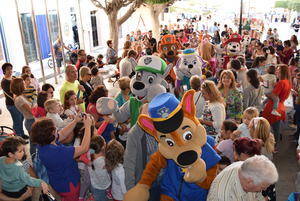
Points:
(61, 166)
(107, 132)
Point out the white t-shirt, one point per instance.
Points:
(226, 147)
(269, 81)
(118, 188)
(199, 102)
(245, 130)
(58, 122)
(100, 178)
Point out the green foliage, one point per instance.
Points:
(289, 4)
(157, 1)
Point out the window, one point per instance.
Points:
(94, 29)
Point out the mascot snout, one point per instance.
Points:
(171, 53)
(190, 66)
(187, 158)
(138, 85)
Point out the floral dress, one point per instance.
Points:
(234, 104)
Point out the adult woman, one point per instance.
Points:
(258, 51)
(111, 54)
(49, 89)
(287, 52)
(245, 148)
(59, 160)
(126, 48)
(16, 116)
(233, 97)
(22, 104)
(216, 39)
(282, 90)
(85, 77)
(259, 65)
(34, 81)
(214, 109)
(252, 95)
(99, 92)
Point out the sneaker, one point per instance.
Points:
(274, 112)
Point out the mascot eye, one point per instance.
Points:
(150, 79)
(187, 135)
(165, 48)
(185, 63)
(195, 62)
(170, 142)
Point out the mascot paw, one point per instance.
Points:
(106, 105)
(196, 173)
(140, 192)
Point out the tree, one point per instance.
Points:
(155, 8)
(112, 8)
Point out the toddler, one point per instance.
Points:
(225, 147)
(71, 109)
(39, 110)
(14, 179)
(269, 81)
(243, 129)
(29, 91)
(100, 178)
(54, 109)
(113, 161)
(97, 78)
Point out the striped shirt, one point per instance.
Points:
(227, 187)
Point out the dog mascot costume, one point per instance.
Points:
(189, 64)
(189, 162)
(168, 48)
(233, 48)
(145, 85)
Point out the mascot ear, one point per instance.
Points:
(168, 69)
(178, 63)
(188, 104)
(146, 123)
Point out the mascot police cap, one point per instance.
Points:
(153, 64)
(163, 109)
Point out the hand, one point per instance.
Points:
(236, 134)
(45, 187)
(88, 121)
(201, 121)
(71, 116)
(79, 101)
(81, 88)
(139, 192)
(78, 117)
(26, 195)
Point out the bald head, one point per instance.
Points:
(71, 73)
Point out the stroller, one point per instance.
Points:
(5, 132)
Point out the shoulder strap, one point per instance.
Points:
(8, 95)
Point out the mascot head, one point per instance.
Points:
(168, 46)
(149, 77)
(233, 44)
(179, 134)
(190, 63)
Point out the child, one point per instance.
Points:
(199, 100)
(29, 91)
(225, 147)
(99, 175)
(70, 106)
(113, 161)
(243, 129)
(269, 81)
(260, 129)
(97, 78)
(124, 95)
(99, 61)
(39, 110)
(54, 110)
(14, 179)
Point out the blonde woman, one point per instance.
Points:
(232, 96)
(261, 129)
(85, 78)
(214, 109)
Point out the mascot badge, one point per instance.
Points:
(189, 162)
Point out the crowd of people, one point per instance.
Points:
(78, 152)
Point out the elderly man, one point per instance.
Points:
(71, 83)
(244, 180)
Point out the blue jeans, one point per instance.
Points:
(28, 124)
(99, 195)
(276, 130)
(17, 118)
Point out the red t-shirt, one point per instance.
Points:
(282, 89)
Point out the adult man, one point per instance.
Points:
(58, 50)
(152, 42)
(71, 83)
(128, 64)
(244, 180)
